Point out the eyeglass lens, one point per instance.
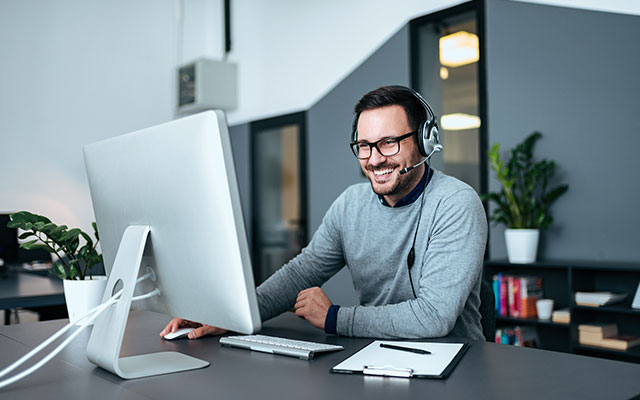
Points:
(386, 147)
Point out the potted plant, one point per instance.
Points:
(523, 202)
(74, 264)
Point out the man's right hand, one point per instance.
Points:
(198, 331)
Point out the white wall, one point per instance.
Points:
(291, 52)
(77, 71)
(74, 72)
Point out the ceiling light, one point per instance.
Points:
(444, 73)
(459, 122)
(460, 48)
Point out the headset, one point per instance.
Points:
(428, 130)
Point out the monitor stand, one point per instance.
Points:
(106, 339)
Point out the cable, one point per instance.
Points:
(154, 292)
(100, 309)
(91, 314)
(411, 257)
(58, 349)
(56, 335)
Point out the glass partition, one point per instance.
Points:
(446, 53)
(278, 187)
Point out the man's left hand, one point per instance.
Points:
(313, 304)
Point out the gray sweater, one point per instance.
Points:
(373, 241)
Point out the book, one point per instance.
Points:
(530, 292)
(511, 288)
(596, 299)
(604, 329)
(524, 336)
(503, 296)
(496, 291)
(589, 338)
(620, 342)
(561, 316)
(516, 295)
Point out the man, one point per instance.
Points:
(372, 228)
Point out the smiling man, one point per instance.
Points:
(412, 238)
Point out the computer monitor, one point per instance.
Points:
(167, 198)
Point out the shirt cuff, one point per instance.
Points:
(331, 322)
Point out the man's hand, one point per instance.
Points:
(199, 331)
(313, 304)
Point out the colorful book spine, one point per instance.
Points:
(517, 308)
(496, 291)
(511, 292)
(504, 310)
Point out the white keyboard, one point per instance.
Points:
(277, 345)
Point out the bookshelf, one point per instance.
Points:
(561, 279)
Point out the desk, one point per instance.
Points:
(488, 370)
(19, 289)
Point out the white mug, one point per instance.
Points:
(544, 308)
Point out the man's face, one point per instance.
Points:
(384, 172)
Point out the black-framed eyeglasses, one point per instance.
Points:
(387, 147)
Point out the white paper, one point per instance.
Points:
(421, 364)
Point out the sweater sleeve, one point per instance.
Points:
(317, 262)
(451, 267)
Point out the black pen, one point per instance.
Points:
(410, 349)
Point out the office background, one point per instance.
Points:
(75, 72)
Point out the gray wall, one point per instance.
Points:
(331, 165)
(572, 75)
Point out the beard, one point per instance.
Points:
(392, 184)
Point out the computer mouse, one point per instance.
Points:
(179, 334)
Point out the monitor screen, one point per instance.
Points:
(8, 240)
(178, 179)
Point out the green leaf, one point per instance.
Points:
(29, 245)
(39, 246)
(47, 228)
(37, 226)
(26, 235)
(95, 231)
(71, 234)
(73, 274)
(19, 219)
(87, 239)
(59, 270)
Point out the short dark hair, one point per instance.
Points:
(388, 96)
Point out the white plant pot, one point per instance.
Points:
(522, 245)
(82, 296)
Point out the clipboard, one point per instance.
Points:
(377, 361)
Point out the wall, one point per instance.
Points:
(572, 75)
(292, 53)
(72, 73)
(331, 165)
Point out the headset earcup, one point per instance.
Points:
(433, 138)
(423, 138)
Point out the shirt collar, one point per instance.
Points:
(414, 193)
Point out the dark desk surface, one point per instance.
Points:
(488, 370)
(24, 289)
